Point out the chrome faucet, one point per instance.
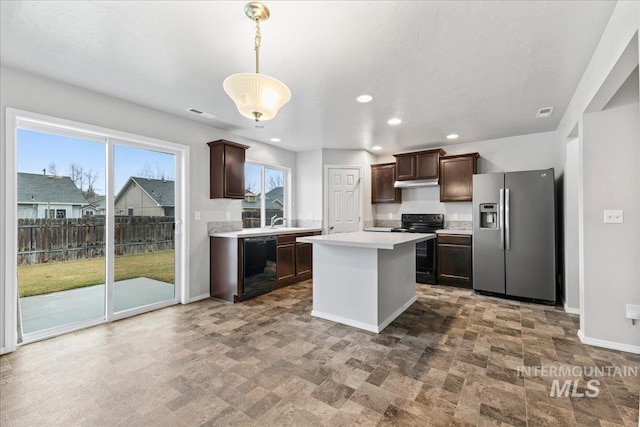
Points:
(275, 219)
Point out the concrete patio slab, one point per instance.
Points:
(46, 311)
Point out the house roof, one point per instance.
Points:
(274, 200)
(38, 188)
(161, 191)
(98, 202)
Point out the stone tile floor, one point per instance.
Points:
(451, 359)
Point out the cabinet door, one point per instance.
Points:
(303, 260)
(456, 178)
(286, 264)
(454, 265)
(234, 172)
(405, 167)
(427, 165)
(382, 179)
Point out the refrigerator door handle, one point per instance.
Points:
(501, 218)
(507, 231)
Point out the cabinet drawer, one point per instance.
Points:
(454, 239)
(285, 239)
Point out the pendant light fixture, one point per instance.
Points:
(257, 96)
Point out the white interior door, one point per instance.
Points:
(343, 202)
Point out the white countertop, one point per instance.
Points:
(364, 239)
(256, 232)
(463, 232)
(382, 229)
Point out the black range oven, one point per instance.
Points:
(425, 251)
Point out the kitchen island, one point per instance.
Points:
(364, 279)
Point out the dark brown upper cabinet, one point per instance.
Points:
(456, 177)
(226, 168)
(382, 178)
(418, 165)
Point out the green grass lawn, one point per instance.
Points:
(61, 276)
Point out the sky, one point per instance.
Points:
(36, 150)
(252, 172)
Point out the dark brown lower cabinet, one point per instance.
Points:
(293, 264)
(454, 260)
(286, 264)
(304, 260)
(294, 259)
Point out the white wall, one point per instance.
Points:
(524, 152)
(604, 67)
(611, 251)
(571, 215)
(309, 190)
(40, 95)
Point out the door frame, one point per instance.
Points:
(8, 260)
(325, 221)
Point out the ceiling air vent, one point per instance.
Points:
(202, 113)
(544, 112)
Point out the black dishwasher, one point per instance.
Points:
(259, 265)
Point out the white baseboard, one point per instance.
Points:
(361, 325)
(397, 313)
(571, 310)
(199, 297)
(608, 344)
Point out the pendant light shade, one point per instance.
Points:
(257, 96)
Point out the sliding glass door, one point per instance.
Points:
(61, 245)
(96, 228)
(144, 206)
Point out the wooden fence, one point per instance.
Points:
(54, 240)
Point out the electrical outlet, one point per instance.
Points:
(390, 216)
(197, 216)
(228, 216)
(613, 217)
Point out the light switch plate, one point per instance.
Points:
(613, 217)
(228, 216)
(197, 216)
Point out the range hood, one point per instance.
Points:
(416, 183)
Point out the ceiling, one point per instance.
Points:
(477, 69)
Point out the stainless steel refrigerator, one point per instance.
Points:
(514, 234)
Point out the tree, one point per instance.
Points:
(275, 181)
(85, 180)
(53, 170)
(156, 172)
(251, 187)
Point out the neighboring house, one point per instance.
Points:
(46, 196)
(274, 205)
(95, 207)
(146, 197)
(274, 201)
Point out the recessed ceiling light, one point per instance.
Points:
(275, 140)
(363, 99)
(376, 148)
(395, 121)
(453, 136)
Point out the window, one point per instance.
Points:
(265, 195)
(55, 213)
